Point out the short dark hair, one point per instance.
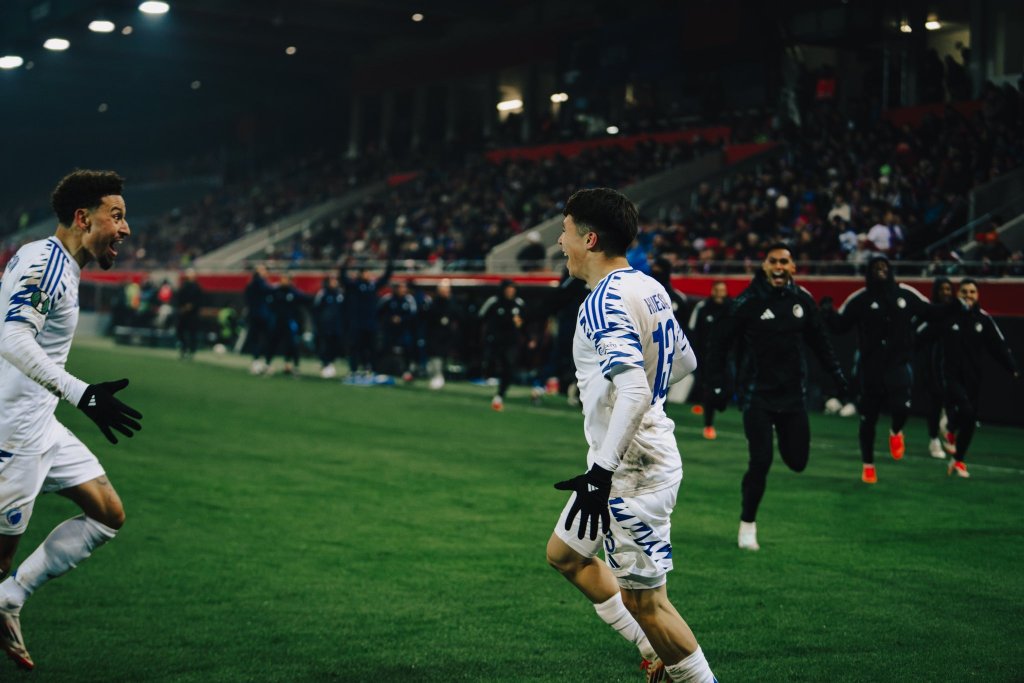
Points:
(967, 281)
(778, 245)
(83, 189)
(608, 213)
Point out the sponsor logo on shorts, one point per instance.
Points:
(13, 517)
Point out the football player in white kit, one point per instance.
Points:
(38, 315)
(628, 349)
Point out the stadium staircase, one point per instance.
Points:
(1001, 199)
(235, 254)
(649, 194)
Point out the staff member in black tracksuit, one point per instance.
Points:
(929, 367)
(442, 325)
(399, 317)
(189, 299)
(773, 320)
(329, 321)
(502, 318)
(702, 321)
(286, 305)
(883, 312)
(361, 295)
(965, 336)
(259, 318)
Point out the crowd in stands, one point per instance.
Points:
(456, 214)
(843, 189)
(846, 189)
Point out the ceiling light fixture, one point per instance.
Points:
(11, 62)
(101, 26)
(56, 44)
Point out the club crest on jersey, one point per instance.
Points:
(798, 311)
(40, 301)
(901, 302)
(977, 327)
(13, 517)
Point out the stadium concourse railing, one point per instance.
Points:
(1001, 296)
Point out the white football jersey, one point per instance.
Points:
(627, 320)
(39, 289)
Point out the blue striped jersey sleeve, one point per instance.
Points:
(37, 288)
(610, 328)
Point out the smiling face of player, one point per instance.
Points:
(779, 267)
(880, 271)
(968, 293)
(575, 247)
(103, 230)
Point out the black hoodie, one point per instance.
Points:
(770, 323)
(885, 314)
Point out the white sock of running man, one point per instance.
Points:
(615, 614)
(692, 669)
(68, 544)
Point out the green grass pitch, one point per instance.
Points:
(304, 530)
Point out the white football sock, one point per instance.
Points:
(615, 614)
(69, 543)
(692, 669)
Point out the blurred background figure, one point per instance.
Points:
(329, 325)
(502, 320)
(259, 318)
(442, 324)
(189, 301)
(287, 304)
(701, 324)
(398, 315)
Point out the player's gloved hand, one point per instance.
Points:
(100, 405)
(718, 398)
(591, 502)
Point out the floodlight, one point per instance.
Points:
(101, 26)
(56, 44)
(154, 7)
(510, 105)
(11, 62)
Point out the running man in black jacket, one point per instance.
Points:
(929, 367)
(965, 337)
(702, 321)
(772, 320)
(884, 313)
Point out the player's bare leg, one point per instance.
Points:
(669, 634)
(68, 544)
(595, 580)
(589, 574)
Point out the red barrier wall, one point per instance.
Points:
(571, 149)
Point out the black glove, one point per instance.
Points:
(99, 404)
(592, 490)
(718, 398)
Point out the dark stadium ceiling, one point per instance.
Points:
(220, 35)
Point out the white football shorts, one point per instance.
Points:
(67, 463)
(638, 547)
